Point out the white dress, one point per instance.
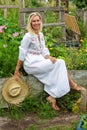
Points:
(52, 75)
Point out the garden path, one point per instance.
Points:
(63, 119)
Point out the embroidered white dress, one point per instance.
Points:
(52, 75)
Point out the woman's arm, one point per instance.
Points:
(53, 59)
(17, 69)
(22, 53)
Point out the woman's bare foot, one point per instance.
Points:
(53, 103)
(73, 85)
(77, 87)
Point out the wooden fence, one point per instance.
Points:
(59, 11)
(6, 7)
(19, 6)
(82, 14)
(43, 10)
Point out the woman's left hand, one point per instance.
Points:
(53, 59)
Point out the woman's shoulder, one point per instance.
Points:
(27, 34)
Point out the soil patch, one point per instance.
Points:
(22, 124)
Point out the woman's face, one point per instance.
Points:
(36, 23)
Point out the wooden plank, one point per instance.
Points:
(62, 19)
(8, 6)
(21, 20)
(50, 24)
(83, 106)
(85, 17)
(5, 13)
(72, 23)
(54, 24)
(41, 9)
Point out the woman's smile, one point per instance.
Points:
(36, 23)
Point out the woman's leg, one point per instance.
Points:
(52, 100)
(73, 85)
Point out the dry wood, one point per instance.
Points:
(8, 6)
(41, 9)
(83, 106)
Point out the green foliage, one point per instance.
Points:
(31, 105)
(8, 2)
(13, 15)
(2, 112)
(10, 36)
(46, 111)
(74, 58)
(67, 101)
(32, 3)
(81, 3)
(72, 126)
(15, 112)
(84, 121)
(39, 106)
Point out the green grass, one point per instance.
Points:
(67, 126)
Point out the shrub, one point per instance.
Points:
(10, 36)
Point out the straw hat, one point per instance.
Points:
(14, 91)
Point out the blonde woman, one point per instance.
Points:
(37, 61)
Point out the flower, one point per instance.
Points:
(50, 48)
(15, 34)
(85, 50)
(1, 31)
(76, 106)
(82, 63)
(4, 46)
(81, 40)
(1, 27)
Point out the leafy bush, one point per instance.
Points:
(40, 107)
(84, 121)
(10, 36)
(80, 4)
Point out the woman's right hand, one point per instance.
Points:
(17, 75)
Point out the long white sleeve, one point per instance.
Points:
(24, 47)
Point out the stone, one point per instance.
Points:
(79, 76)
(36, 87)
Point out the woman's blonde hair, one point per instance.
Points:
(30, 18)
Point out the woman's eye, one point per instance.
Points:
(35, 20)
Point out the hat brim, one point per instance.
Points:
(17, 99)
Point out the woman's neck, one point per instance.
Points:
(38, 35)
(37, 32)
